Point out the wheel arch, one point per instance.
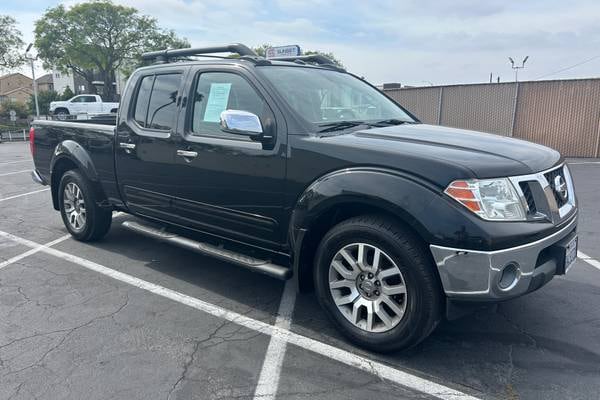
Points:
(349, 193)
(70, 155)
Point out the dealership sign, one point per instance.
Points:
(283, 51)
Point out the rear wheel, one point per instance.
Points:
(377, 284)
(82, 216)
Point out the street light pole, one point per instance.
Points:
(35, 91)
(516, 67)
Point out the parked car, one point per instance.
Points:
(297, 169)
(82, 104)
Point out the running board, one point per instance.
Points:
(251, 263)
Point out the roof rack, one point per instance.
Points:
(163, 56)
(318, 59)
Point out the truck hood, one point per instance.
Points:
(457, 151)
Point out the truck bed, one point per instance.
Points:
(95, 138)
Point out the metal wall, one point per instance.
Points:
(562, 114)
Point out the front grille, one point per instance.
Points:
(551, 178)
(526, 189)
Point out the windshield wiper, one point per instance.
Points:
(391, 121)
(336, 126)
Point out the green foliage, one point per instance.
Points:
(11, 44)
(329, 55)
(98, 36)
(20, 109)
(262, 51)
(66, 94)
(44, 99)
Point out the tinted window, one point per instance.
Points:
(162, 108)
(220, 91)
(89, 99)
(78, 99)
(155, 105)
(141, 103)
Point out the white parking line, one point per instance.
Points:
(584, 257)
(381, 370)
(32, 251)
(584, 163)
(24, 194)
(16, 172)
(14, 162)
(268, 381)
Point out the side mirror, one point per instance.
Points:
(241, 123)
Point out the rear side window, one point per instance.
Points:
(89, 99)
(155, 105)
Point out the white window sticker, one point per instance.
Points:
(217, 101)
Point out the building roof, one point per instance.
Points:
(19, 89)
(13, 74)
(45, 79)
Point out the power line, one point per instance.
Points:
(570, 67)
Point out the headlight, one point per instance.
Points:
(491, 199)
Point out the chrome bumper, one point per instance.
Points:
(476, 275)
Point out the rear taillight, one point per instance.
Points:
(32, 141)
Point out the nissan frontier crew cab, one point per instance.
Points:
(297, 169)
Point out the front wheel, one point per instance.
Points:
(82, 216)
(377, 284)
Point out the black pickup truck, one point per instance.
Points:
(300, 170)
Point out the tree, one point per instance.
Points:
(262, 51)
(67, 94)
(19, 108)
(11, 44)
(44, 99)
(98, 37)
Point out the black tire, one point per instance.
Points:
(61, 113)
(97, 220)
(424, 296)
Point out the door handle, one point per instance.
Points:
(187, 154)
(127, 146)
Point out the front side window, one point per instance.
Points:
(325, 96)
(219, 91)
(156, 102)
(78, 99)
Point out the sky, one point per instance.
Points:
(413, 42)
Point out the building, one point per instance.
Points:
(16, 88)
(62, 80)
(45, 83)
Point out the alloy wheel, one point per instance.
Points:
(367, 287)
(74, 206)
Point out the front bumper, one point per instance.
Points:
(476, 275)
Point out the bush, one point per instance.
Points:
(44, 99)
(67, 94)
(20, 108)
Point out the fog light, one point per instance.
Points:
(509, 277)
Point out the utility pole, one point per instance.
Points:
(31, 59)
(516, 67)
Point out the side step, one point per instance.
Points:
(253, 264)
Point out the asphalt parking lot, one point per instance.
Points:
(129, 318)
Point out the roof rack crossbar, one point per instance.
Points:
(318, 59)
(165, 55)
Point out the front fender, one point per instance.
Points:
(398, 193)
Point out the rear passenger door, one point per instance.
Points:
(146, 146)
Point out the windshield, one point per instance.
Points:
(323, 96)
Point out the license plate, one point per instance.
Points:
(570, 254)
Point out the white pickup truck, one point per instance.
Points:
(82, 104)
